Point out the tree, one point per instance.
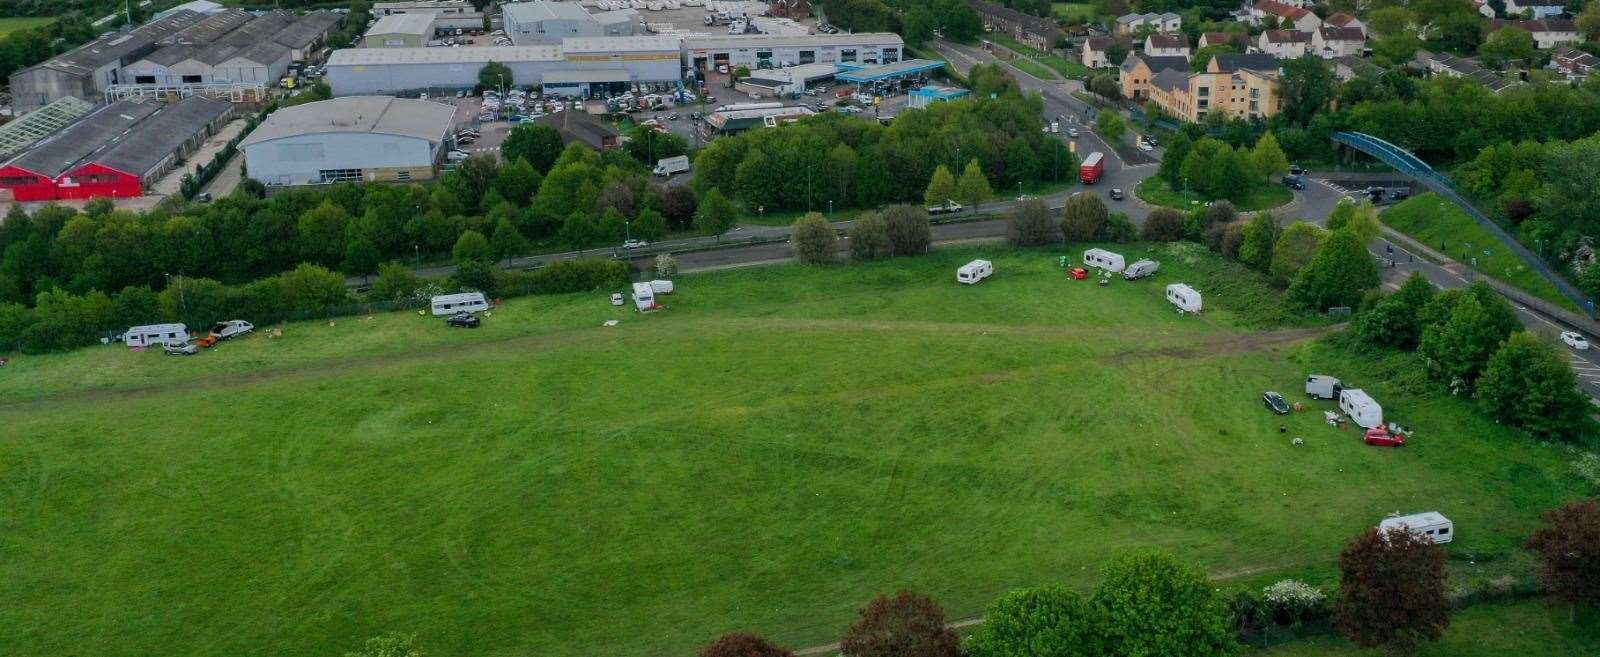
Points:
(1510, 43)
(1163, 225)
(917, 26)
(1172, 160)
(814, 241)
(1151, 604)
(517, 180)
(1338, 275)
(972, 189)
(716, 214)
(1044, 621)
(1342, 212)
(536, 143)
(1589, 21)
(1120, 229)
(395, 282)
(321, 232)
(1394, 321)
(361, 257)
(650, 146)
(1307, 87)
(495, 75)
(1567, 546)
(869, 237)
(1389, 21)
(649, 225)
(1528, 384)
(1391, 591)
(389, 645)
(1260, 235)
(580, 230)
(1030, 224)
(471, 246)
(1083, 217)
(906, 625)
(909, 232)
(1294, 249)
(739, 644)
(1457, 350)
(1202, 57)
(1268, 157)
(310, 287)
(941, 187)
(678, 203)
(1110, 126)
(741, 72)
(507, 242)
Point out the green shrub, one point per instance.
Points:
(582, 275)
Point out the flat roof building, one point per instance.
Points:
(367, 71)
(358, 138)
(703, 52)
(446, 13)
(925, 96)
(86, 71)
(400, 31)
(542, 21)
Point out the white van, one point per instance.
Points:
(1322, 386)
(1430, 525)
(1186, 298)
(644, 297)
(154, 334)
(1361, 408)
(1141, 269)
(1111, 262)
(450, 304)
(974, 271)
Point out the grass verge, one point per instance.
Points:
(1261, 196)
(9, 25)
(1441, 225)
(1522, 627)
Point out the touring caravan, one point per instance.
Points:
(974, 271)
(1430, 525)
(450, 304)
(1360, 407)
(1186, 298)
(1141, 269)
(154, 334)
(1111, 262)
(1322, 386)
(661, 286)
(644, 297)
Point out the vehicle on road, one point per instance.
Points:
(1572, 339)
(1116, 193)
(1294, 182)
(948, 207)
(1143, 146)
(671, 165)
(463, 319)
(1092, 168)
(1275, 402)
(1072, 132)
(1297, 170)
(635, 244)
(180, 349)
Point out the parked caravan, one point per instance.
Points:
(1186, 298)
(154, 334)
(1104, 259)
(644, 297)
(1430, 525)
(661, 287)
(1141, 269)
(1360, 407)
(450, 304)
(1322, 386)
(974, 271)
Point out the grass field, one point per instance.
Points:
(1069, 10)
(1524, 627)
(9, 25)
(1030, 58)
(1262, 196)
(1435, 222)
(767, 453)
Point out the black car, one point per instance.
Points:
(1297, 170)
(1294, 182)
(1275, 403)
(463, 320)
(1116, 193)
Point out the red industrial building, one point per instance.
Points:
(116, 151)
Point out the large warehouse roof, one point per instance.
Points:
(409, 24)
(212, 27)
(737, 41)
(540, 10)
(619, 44)
(57, 154)
(421, 119)
(160, 136)
(463, 55)
(113, 47)
(308, 28)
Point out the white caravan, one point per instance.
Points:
(1359, 406)
(154, 334)
(1104, 259)
(450, 304)
(1430, 525)
(644, 297)
(974, 271)
(1186, 298)
(661, 286)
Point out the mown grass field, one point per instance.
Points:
(1261, 196)
(774, 448)
(9, 25)
(1069, 10)
(1435, 222)
(1524, 627)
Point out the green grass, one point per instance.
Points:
(1032, 68)
(1262, 196)
(1523, 627)
(9, 25)
(1433, 221)
(766, 454)
(1070, 10)
(1029, 59)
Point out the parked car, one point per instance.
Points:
(1572, 339)
(616, 298)
(1275, 402)
(1381, 437)
(1294, 182)
(180, 349)
(1143, 146)
(1078, 273)
(1297, 170)
(1116, 193)
(1072, 132)
(462, 319)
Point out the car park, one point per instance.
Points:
(1146, 147)
(463, 319)
(180, 349)
(1574, 340)
(1275, 402)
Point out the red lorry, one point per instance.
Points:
(1093, 165)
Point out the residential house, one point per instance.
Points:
(1242, 86)
(1035, 32)
(1443, 64)
(1573, 62)
(1483, 8)
(1329, 42)
(1168, 23)
(1342, 19)
(1284, 44)
(1092, 53)
(1166, 45)
(1350, 67)
(1235, 39)
(1138, 70)
(1547, 33)
(1288, 16)
(1536, 8)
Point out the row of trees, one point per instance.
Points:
(1392, 595)
(899, 230)
(952, 18)
(1213, 169)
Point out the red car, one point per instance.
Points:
(1381, 437)
(1078, 273)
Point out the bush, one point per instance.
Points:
(739, 644)
(475, 275)
(869, 237)
(1120, 229)
(1045, 621)
(813, 239)
(1083, 218)
(1392, 591)
(666, 266)
(1163, 225)
(909, 232)
(1151, 604)
(905, 625)
(1528, 384)
(581, 275)
(1587, 466)
(1293, 602)
(1338, 275)
(1029, 224)
(395, 282)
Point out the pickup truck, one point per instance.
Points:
(949, 207)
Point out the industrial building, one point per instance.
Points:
(583, 128)
(117, 151)
(733, 121)
(541, 21)
(931, 94)
(400, 31)
(786, 81)
(572, 67)
(452, 14)
(86, 71)
(358, 138)
(26, 130)
(704, 52)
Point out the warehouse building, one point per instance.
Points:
(358, 138)
(446, 13)
(540, 21)
(400, 31)
(572, 66)
(263, 61)
(757, 51)
(86, 71)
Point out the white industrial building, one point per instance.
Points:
(540, 21)
(365, 138)
(571, 66)
(400, 31)
(702, 52)
(446, 13)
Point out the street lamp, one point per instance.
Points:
(830, 209)
(418, 251)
